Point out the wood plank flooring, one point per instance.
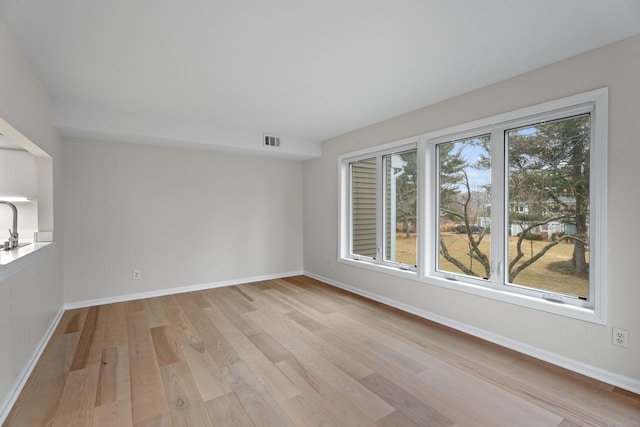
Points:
(294, 352)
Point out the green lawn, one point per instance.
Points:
(538, 275)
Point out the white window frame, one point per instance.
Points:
(595, 102)
(345, 254)
(594, 310)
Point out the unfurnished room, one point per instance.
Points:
(319, 213)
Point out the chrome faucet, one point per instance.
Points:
(12, 243)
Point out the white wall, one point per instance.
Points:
(183, 218)
(583, 345)
(31, 298)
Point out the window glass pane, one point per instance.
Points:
(548, 206)
(363, 207)
(400, 192)
(464, 180)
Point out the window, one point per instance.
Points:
(464, 185)
(400, 197)
(547, 206)
(521, 204)
(511, 207)
(381, 202)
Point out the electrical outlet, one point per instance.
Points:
(620, 337)
(135, 274)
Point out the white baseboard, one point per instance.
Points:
(608, 377)
(178, 290)
(12, 396)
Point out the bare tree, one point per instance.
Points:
(548, 167)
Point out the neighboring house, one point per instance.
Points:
(363, 208)
(547, 210)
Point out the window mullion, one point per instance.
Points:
(349, 203)
(380, 209)
(427, 217)
(499, 236)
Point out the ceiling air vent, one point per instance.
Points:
(270, 141)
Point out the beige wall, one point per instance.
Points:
(30, 298)
(183, 218)
(583, 345)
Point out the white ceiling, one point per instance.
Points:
(218, 73)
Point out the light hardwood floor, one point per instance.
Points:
(294, 352)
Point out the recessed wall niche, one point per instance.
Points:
(26, 181)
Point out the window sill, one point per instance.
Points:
(571, 311)
(395, 271)
(15, 260)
